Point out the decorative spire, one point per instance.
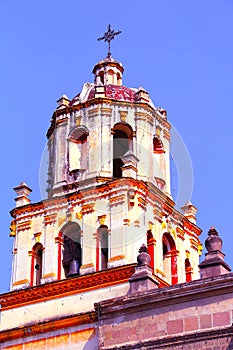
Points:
(109, 36)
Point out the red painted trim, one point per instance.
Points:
(174, 269)
(59, 261)
(59, 246)
(188, 276)
(150, 246)
(151, 253)
(97, 255)
(188, 270)
(151, 250)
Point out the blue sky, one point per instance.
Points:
(180, 51)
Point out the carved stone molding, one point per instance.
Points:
(26, 225)
(88, 208)
(50, 219)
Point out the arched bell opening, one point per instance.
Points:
(122, 143)
(111, 77)
(101, 75)
(119, 79)
(104, 249)
(72, 250)
(170, 258)
(157, 145)
(37, 264)
(78, 150)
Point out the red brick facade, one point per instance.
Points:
(196, 315)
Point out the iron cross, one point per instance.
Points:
(109, 36)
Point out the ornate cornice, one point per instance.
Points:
(88, 208)
(106, 111)
(145, 117)
(142, 203)
(114, 191)
(162, 121)
(194, 244)
(180, 233)
(50, 219)
(58, 289)
(116, 200)
(94, 112)
(190, 228)
(99, 101)
(48, 326)
(26, 225)
(166, 134)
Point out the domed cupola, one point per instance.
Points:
(108, 82)
(108, 71)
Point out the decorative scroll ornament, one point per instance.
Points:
(13, 228)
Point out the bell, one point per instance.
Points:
(74, 268)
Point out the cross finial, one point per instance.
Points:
(109, 36)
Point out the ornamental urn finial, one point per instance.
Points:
(143, 257)
(213, 242)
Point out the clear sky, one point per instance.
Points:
(180, 51)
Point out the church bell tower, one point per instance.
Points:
(108, 190)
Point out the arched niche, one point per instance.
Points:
(72, 250)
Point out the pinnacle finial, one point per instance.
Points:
(143, 249)
(213, 242)
(109, 36)
(143, 258)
